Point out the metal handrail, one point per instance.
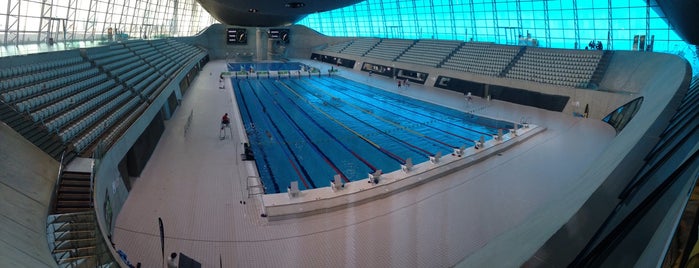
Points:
(92, 183)
(58, 182)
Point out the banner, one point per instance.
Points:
(162, 237)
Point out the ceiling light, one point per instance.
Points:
(295, 5)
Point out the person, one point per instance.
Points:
(171, 260)
(370, 72)
(398, 84)
(225, 121)
(405, 82)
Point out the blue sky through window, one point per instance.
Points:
(502, 22)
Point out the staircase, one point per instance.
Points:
(601, 69)
(405, 50)
(74, 193)
(346, 46)
(72, 240)
(372, 48)
(72, 231)
(33, 132)
(522, 50)
(454, 51)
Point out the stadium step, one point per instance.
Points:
(601, 69)
(447, 58)
(74, 193)
(522, 50)
(346, 46)
(32, 131)
(405, 50)
(72, 239)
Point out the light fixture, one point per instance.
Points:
(295, 5)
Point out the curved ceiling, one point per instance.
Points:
(268, 13)
(681, 14)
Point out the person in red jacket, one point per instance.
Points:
(225, 121)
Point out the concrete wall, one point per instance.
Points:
(302, 41)
(663, 81)
(27, 179)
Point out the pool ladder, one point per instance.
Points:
(254, 186)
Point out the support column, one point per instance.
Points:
(270, 49)
(610, 29)
(547, 27)
(575, 22)
(258, 44)
(474, 34)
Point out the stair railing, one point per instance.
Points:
(54, 195)
(92, 182)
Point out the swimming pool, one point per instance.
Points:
(309, 129)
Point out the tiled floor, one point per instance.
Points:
(468, 218)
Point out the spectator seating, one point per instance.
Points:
(106, 123)
(93, 116)
(429, 52)
(389, 49)
(22, 86)
(64, 97)
(69, 100)
(360, 46)
(38, 64)
(337, 48)
(104, 56)
(481, 58)
(571, 68)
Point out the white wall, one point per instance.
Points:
(27, 179)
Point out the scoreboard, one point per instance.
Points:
(236, 36)
(279, 34)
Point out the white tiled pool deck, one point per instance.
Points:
(494, 213)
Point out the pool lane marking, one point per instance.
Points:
(288, 156)
(275, 184)
(366, 162)
(401, 141)
(389, 96)
(399, 126)
(372, 167)
(425, 124)
(398, 158)
(305, 136)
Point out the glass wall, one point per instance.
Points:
(613, 24)
(36, 21)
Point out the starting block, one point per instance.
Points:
(336, 184)
(435, 159)
(294, 189)
(374, 177)
(459, 151)
(407, 166)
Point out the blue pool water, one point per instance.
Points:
(264, 66)
(310, 129)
